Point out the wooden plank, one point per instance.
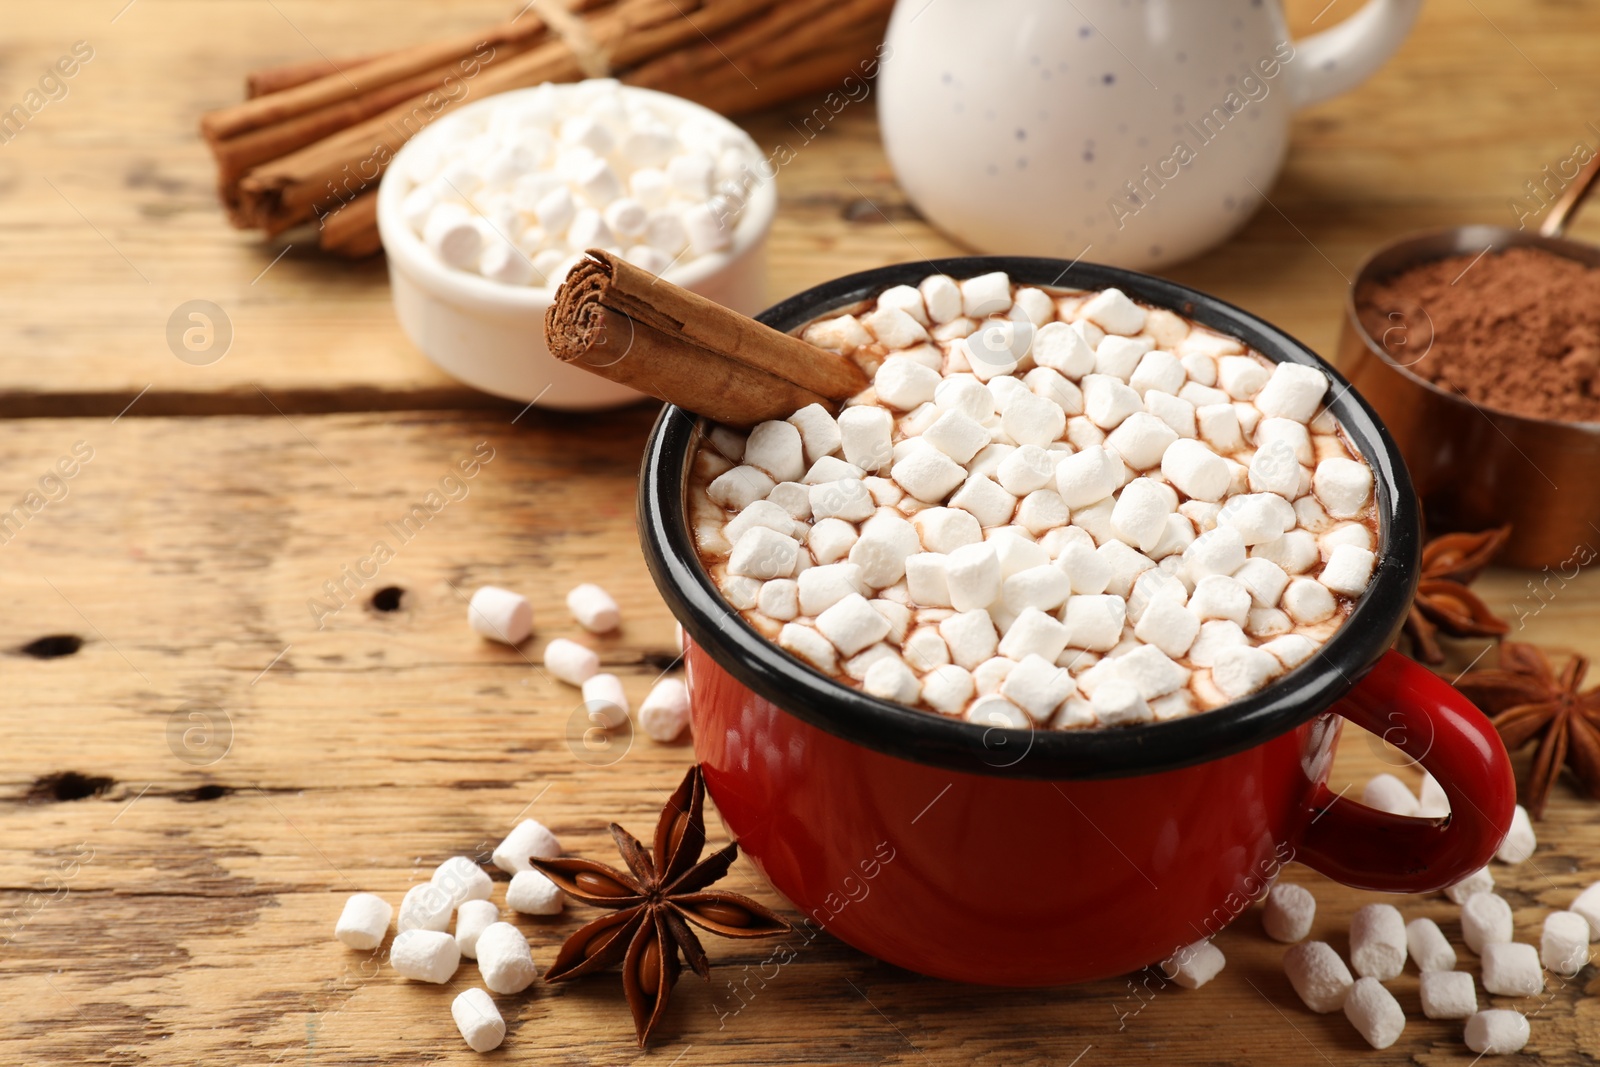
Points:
(108, 222)
(184, 914)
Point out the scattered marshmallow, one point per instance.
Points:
(1195, 965)
(1520, 842)
(1588, 905)
(473, 917)
(1388, 793)
(531, 893)
(665, 711)
(530, 838)
(425, 907)
(425, 955)
(1374, 1012)
(504, 960)
(593, 607)
(500, 615)
(1428, 947)
(1479, 881)
(1318, 975)
(1512, 969)
(605, 701)
(1378, 942)
(462, 880)
(1288, 913)
(1448, 994)
(1498, 1032)
(365, 920)
(1485, 920)
(1563, 944)
(478, 1020)
(571, 662)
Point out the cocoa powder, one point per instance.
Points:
(1518, 331)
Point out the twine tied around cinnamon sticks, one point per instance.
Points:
(625, 324)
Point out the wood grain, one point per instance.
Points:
(195, 927)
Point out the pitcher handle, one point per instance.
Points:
(1342, 57)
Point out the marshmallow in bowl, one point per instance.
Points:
(1049, 509)
(516, 193)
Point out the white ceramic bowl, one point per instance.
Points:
(491, 335)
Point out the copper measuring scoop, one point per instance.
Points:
(1475, 467)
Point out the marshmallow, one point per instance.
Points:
(1195, 965)
(1113, 312)
(1195, 470)
(1498, 1032)
(1374, 1012)
(904, 383)
(865, 437)
(425, 907)
(424, 956)
(1158, 371)
(1308, 601)
(1448, 994)
(780, 598)
(1107, 401)
(473, 917)
(530, 838)
(1318, 975)
(1217, 596)
(1388, 793)
(928, 474)
(1288, 913)
(958, 435)
(1141, 440)
(1432, 801)
(1030, 419)
(828, 469)
(819, 431)
(1257, 516)
(504, 960)
(1218, 426)
(1563, 943)
(1479, 881)
(942, 297)
(1094, 622)
(594, 609)
(570, 662)
(808, 645)
(1292, 392)
(980, 496)
(1512, 969)
(987, 294)
(1037, 686)
(1241, 377)
(852, 624)
(847, 499)
(454, 236)
(842, 334)
(776, 448)
(1485, 920)
(1062, 349)
(1045, 588)
(948, 688)
(1168, 626)
(478, 1019)
(1520, 842)
(365, 920)
(1427, 945)
(1343, 486)
(1378, 942)
(740, 487)
(1219, 551)
(896, 329)
(665, 711)
(925, 649)
(1034, 633)
(906, 299)
(1214, 637)
(996, 711)
(972, 576)
(500, 615)
(881, 550)
(462, 880)
(1139, 516)
(1088, 477)
(890, 679)
(1119, 356)
(1116, 702)
(1587, 905)
(764, 553)
(1348, 570)
(1241, 671)
(1274, 469)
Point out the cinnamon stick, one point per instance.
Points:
(352, 231)
(625, 324)
(288, 75)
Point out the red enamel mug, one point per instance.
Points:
(1014, 857)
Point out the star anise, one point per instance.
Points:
(1450, 563)
(653, 906)
(1526, 698)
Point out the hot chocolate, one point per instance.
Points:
(1056, 509)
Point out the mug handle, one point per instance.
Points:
(1433, 723)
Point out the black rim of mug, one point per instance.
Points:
(1111, 752)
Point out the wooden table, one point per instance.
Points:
(187, 797)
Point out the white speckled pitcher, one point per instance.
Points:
(1130, 132)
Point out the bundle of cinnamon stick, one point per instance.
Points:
(313, 138)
